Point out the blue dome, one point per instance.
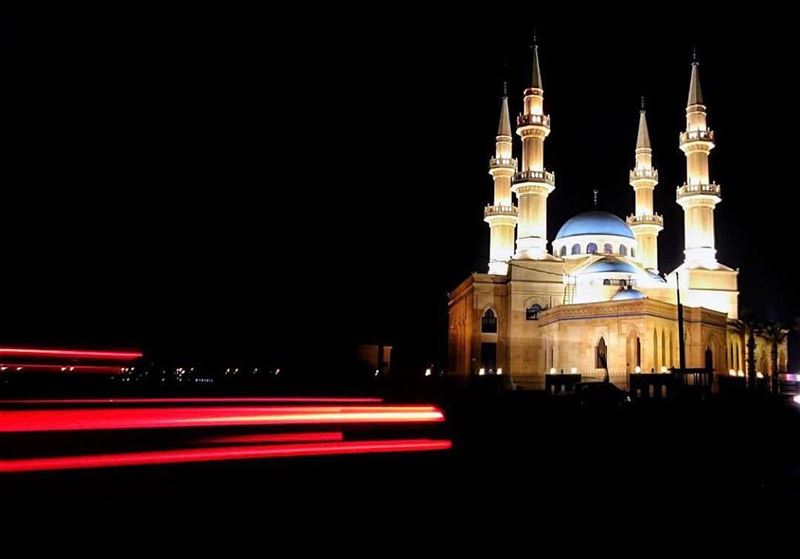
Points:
(595, 223)
(628, 295)
(609, 265)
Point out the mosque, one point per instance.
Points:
(597, 302)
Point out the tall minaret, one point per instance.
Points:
(698, 195)
(645, 224)
(502, 215)
(533, 183)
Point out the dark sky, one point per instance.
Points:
(254, 185)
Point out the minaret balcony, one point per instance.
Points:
(688, 190)
(653, 219)
(697, 136)
(534, 120)
(500, 215)
(503, 163)
(641, 174)
(544, 177)
(500, 210)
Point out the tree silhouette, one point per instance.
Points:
(775, 334)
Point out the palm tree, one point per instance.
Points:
(774, 334)
(749, 327)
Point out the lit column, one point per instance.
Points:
(533, 184)
(698, 196)
(645, 224)
(502, 215)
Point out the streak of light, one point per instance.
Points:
(184, 456)
(88, 354)
(23, 421)
(269, 400)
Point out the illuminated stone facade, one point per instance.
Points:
(597, 304)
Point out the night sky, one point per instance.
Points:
(256, 186)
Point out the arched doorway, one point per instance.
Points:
(709, 359)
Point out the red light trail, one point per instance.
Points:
(25, 421)
(88, 354)
(183, 456)
(270, 400)
(60, 368)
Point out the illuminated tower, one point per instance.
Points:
(698, 195)
(645, 224)
(502, 215)
(533, 184)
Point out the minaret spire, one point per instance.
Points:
(699, 194)
(695, 91)
(643, 137)
(536, 73)
(504, 128)
(645, 224)
(533, 184)
(502, 215)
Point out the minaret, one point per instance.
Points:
(502, 215)
(698, 195)
(533, 183)
(645, 224)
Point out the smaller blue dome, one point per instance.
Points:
(629, 294)
(609, 265)
(595, 223)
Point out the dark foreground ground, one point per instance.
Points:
(517, 457)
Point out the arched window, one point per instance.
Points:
(489, 322)
(739, 357)
(606, 282)
(591, 248)
(654, 368)
(623, 250)
(671, 363)
(633, 252)
(532, 312)
(576, 249)
(638, 352)
(608, 249)
(601, 362)
(730, 355)
(563, 251)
